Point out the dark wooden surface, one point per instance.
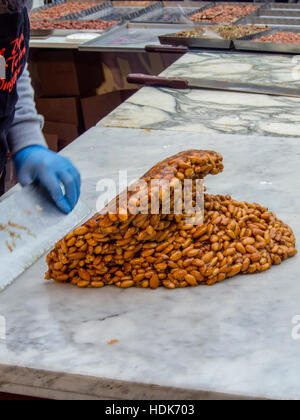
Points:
(14, 397)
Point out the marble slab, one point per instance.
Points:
(261, 69)
(232, 339)
(209, 111)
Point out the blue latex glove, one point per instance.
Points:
(37, 163)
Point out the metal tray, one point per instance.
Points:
(273, 23)
(281, 6)
(41, 33)
(201, 42)
(217, 3)
(46, 33)
(183, 3)
(130, 37)
(111, 12)
(179, 13)
(249, 44)
(279, 14)
(214, 43)
(51, 6)
(48, 6)
(133, 3)
(101, 8)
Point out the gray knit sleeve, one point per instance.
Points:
(26, 128)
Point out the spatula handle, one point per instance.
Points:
(147, 80)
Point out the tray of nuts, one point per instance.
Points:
(113, 12)
(225, 13)
(196, 38)
(44, 28)
(215, 36)
(276, 40)
(239, 31)
(172, 14)
(53, 20)
(64, 8)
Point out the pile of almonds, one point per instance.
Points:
(63, 9)
(225, 31)
(99, 25)
(225, 13)
(151, 250)
(238, 31)
(281, 37)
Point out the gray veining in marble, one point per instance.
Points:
(209, 111)
(261, 69)
(233, 338)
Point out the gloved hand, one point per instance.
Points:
(37, 163)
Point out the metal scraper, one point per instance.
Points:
(30, 224)
(194, 83)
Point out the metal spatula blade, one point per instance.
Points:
(194, 83)
(30, 224)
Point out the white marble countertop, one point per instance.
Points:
(234, 338)
(261, 69)
(209, 111)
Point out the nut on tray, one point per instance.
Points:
(224, 31)
(71, 24)
(61, 10)
(225, 13)
(281, 37)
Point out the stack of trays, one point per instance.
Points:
(276, 15)
(283, 20)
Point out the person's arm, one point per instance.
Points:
(26, 129)
(33, 160)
